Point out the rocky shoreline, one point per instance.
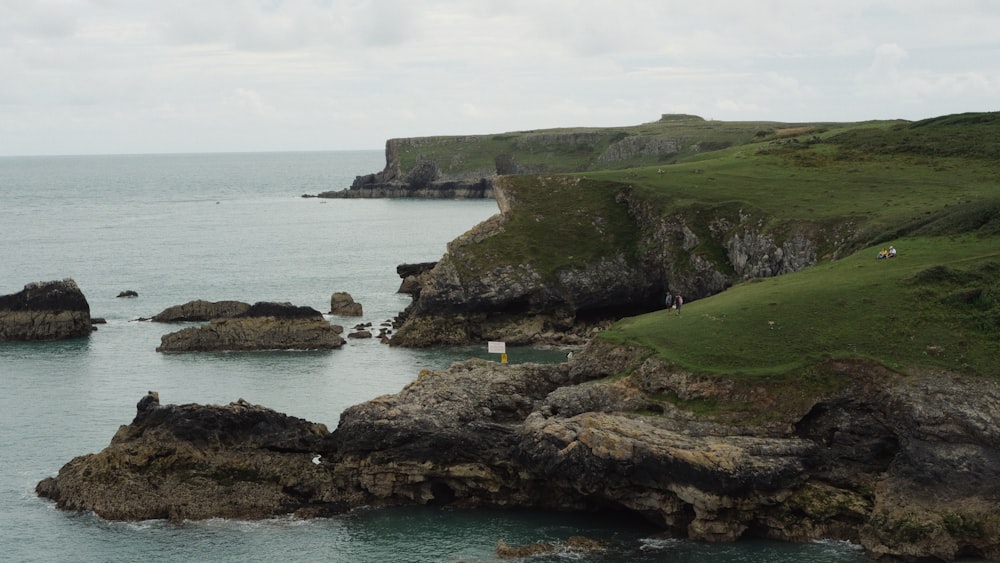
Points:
(904, 465)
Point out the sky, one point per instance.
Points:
(181, 76)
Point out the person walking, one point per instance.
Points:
(678, 301)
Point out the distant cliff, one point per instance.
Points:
(466, 166)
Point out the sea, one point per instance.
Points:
(179, 227)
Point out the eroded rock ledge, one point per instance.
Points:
(908, 466)
(261, 326)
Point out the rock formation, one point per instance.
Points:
(179, 462)
(263, 326)
(128, 293)
(414, 276)
(201, 311)
(343, 305)
(50, 310)
(907, 466)
(471, 295)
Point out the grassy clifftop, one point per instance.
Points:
(930, 188)
(673, 138)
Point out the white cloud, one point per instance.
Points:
(318, 74)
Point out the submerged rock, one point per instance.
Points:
(52, 310)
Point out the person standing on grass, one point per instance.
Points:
(678, 301)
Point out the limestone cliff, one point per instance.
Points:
(484, 287)
(466, 166)
(45, 311)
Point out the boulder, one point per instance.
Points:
(201, 311)
(343, 305)
(263, 326)
(50, 310)
(128, 293)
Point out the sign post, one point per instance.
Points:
(494, 347)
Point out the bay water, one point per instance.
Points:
(174, 228)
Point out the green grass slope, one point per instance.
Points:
(931, 188)
(937, 304)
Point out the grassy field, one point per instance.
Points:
(937, 304)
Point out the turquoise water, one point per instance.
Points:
(232, 226)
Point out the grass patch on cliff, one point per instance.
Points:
(559, 222)
(935, 305)
(877, 194)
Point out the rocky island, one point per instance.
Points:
(261, 326)
(52, 310)
(806, 391)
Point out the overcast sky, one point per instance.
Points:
(151, 76)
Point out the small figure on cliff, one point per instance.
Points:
(892, 252)
(669, 300)
(678, 301)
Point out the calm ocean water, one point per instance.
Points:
(232, 226)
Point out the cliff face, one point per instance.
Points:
(466, 166)
(473, 295)
(45, 311)
(905, 465)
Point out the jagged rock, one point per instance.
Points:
(263, 326)
(414, 276)
(343, 305)
(50, 310)
(360, 334)
(128, 293)
(200, 311)
(193, 462)
(908, 466)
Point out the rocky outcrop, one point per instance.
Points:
(414, 276)
(343, 305)
(905, 465)
(201, 311)
(264, 326)
(470, 295)
(180, 462)
(52, 310)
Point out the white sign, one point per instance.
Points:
(496, 347)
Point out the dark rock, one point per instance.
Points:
(182, 462)
(45, 311)
(128, 293)
(201, 311)
(279, 311)
(262, 326)
(908, 466)
(360, 334)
